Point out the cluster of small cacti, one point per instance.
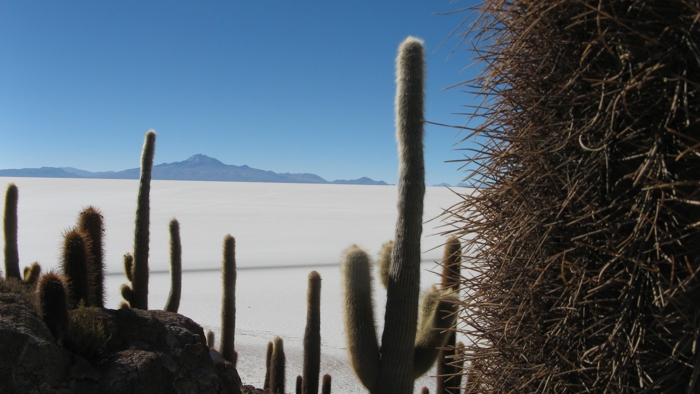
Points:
(81, 281)
(308, 382)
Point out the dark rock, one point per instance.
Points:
(31, 359)
(148, 352)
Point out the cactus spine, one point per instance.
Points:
(10, 228)
(228, 308)
(141, 233)
(53, 303)
(90, 224)
(76, 267)
(326, 384)
(312, 336)
(173, 303)
(277, 366)
(447, 382)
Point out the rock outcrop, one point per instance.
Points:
(148, 352)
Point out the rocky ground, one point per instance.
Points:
(146, 352)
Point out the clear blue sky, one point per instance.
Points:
(286, 86)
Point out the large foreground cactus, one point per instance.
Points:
(583, 239)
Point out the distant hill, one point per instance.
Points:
(196, 168)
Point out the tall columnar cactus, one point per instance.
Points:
(326, 384)
(90, 224)
(76, 267)
(300, 383)
(32, 274)
(141, 233)
(447, 378)
(312, 336)
(393, 371)
(396, 368)
(10, 228)
(268, 365)
(173, 302)
(53, 304)
(277, 367)
(228, 304)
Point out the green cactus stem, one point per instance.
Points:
(326, 384)
(211, 339)
(451, 275)
(76, 267)
(32, 274)
(359, 316)
(126, 290)
(399, 334)
(438, 313)
(277, 367)
(129, 266)
(173, 303)
(141, 233)
(10, 228)
(312, 336)
(268, 365)
(90, 224)
(384, 262)
(127, 293)
(228, 308)
(53, 300)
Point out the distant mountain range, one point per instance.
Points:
(196, 168)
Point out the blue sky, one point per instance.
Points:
(286, 86)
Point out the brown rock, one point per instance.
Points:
(148, 352)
